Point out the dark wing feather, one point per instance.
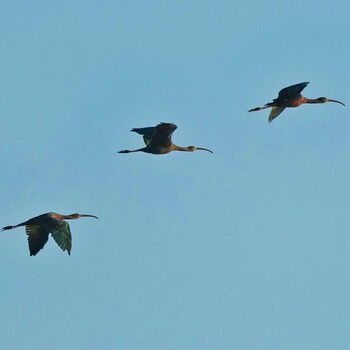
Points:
(163, 133)
(292, 91)
(62, 235)
(37, 238)
(275, 112)
(147, 133)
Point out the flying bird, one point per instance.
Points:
(291, 97)
(38, 230)
(158, 140)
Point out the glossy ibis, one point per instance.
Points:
(290, 97)
(38, 230)
(158, 140)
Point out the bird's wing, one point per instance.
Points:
(163, 133)
(62, 235)
(37, 238)
(292, 91)
(275, 112)
(147, 133)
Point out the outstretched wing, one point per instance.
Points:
(157, 135)
(163, 133)
(275, 112)
(62, 235)
(37, 238)
(147, 133)
(292, 91)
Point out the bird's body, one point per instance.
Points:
(290, 97)
(39, 227)
(158, 140)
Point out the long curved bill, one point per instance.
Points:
(329, 100)
(87, 215)
(204, 149)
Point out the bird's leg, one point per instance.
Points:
(136, 150)
(11, 227)
(25, 223)
(8, 228)
(258, 109)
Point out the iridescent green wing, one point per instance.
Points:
(37, 238)
(62, 235)
(275, 112)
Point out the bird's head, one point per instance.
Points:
(194, 148)
(325, 99)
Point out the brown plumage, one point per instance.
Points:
(39, 227)
(290, 97)
(158, 140)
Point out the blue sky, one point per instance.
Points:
(246, 248)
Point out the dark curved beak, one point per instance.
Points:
(87, 215)
(329, 100)
(204, 149)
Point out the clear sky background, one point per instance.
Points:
(246, 248)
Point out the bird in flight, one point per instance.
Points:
(290, 97)
(158, 140)
(39, 227)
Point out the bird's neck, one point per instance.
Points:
(179, 148)
(312, 100)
